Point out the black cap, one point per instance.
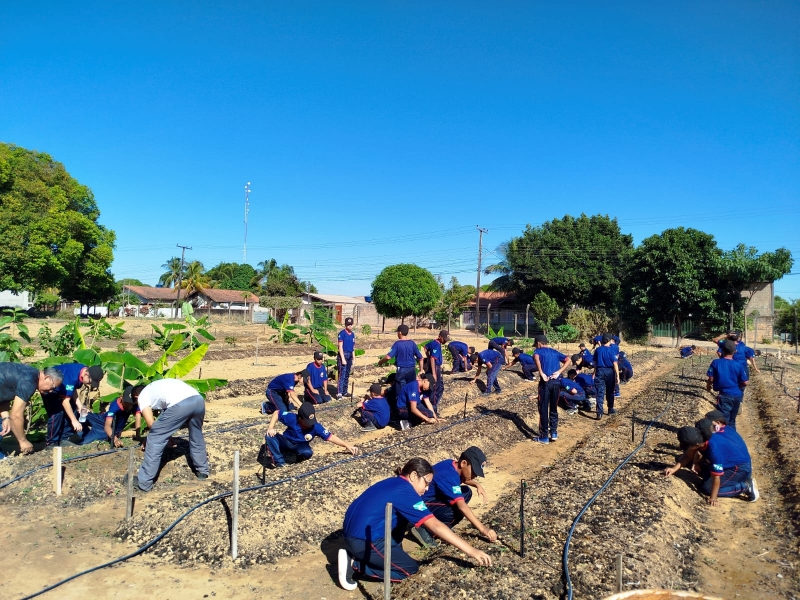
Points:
(348, 321)
(717, 415)
(541, 339)
(317, 355)
(402, 329)
(96, 375)
(130, 392)
(706, 428)
(689, 436)
(307, 412)
(376, 389)
(581, 345)
(606, 338)
(476, 458)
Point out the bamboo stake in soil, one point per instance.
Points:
(235, 516)
(633, 427)
(57, 470)
(522, 486)
(129, 495)
(619, 573)
(387, 553)
(466, 396)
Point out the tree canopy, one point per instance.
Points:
(404, 290)
(455, 298)
(574, 260)
(49, 230)
(273, 280)
(545, 309)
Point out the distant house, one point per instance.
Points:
(359, 308)
(146, 301)
(212, 300)
(504, 310)
(760, 308)
(23, 300)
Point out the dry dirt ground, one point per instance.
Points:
(290, 530)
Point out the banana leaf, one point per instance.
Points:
(53, 361)
(206, 385)
(184, 366)
(87, 356)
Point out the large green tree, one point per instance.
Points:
(274, 280)
(573, 260)
(404, 290)
(233, 276)
(49, 230)
(672, 276)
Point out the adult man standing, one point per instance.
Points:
(433, 365)
(19, 382)
(316, 378)
(406, 355)
(181, 406)
(344, 358)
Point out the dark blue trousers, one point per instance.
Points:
(548, 407)
(447, 513)
(604, 381)
(732, 481)
(491, 377)
(729, 406)
(344, 372)
(368, 558)
(403, 376)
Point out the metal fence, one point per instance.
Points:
(688, 328)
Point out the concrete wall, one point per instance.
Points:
(10, 299)
(762, 304)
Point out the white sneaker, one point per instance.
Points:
(405, 425)
(346, 571)
(752, 490)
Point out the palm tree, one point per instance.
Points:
(195, 278)
(266, 269)
(503, 282)
(173, 267)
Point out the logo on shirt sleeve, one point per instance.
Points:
(325, 431)
(456, 489)
(420, 506)
(717, 468)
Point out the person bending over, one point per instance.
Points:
(373, 411)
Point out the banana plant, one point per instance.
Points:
(10, 348)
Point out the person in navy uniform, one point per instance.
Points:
(364, 524)
(586, 381)
(493, 361)
(281, 395)
(597, 341)
(500, 344)
(586, 356)
(18, 383)
(728, 378)
(117, 416)
(572, 395)
(62, 405)
(315, 378)
(433, 365)
(449, 494)
(606, 375)
(625, 368)
(406, 355)
(526, 362)
(687, 351)
(301, 428)
(743, 354)
(373, 411)
(461, 356)
(344, 358)
(550, 363)
(411, 406)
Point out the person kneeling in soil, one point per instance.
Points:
(117, 416)
(301, 428)
(572, 395)
(315, 378)
(373, 411)
(449, 494)
(364, 524)
(625, 368)
(412, 409)
(525, 361)
(280, 393)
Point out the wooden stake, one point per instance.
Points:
(387, 553)
(129, 495)
(57, 470)
(633, 427)
(235, 516)
(522, 486)
(352, 391)
(256, 363)
(466, 396)
(619, 573)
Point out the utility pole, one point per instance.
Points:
(795, 330)
(246, 212)
(180, 277)
(478, 285)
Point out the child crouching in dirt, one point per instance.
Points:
(572, 394)
(301, 428)
(373, 411)
(365, 520)
(412, 408)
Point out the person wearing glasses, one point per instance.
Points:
(365, 520)
(18, 383)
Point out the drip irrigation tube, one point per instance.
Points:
(297, 477)
(565, 561)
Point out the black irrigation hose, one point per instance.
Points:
(161, 535)
(586, 506)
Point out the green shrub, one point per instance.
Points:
(231, 341)
(27, 351)
(121, 347)
(65, 314)
(366, 330)
(143, 344)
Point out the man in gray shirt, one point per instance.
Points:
(18, 383)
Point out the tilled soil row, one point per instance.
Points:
(639, 515)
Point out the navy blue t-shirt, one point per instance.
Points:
(70, 379)
(282, 383)
(587, 356)
(726, 449)
(624, 363)
(379, 407)
(17, 380)
(434, 349)
(727, 376)
(348, 340)
(365, 517)
(295, 433)
(686, 351)
(405, 353)
(491, 356)
(598, 339)
(572, 386)
(446, 484)
(116, 409)
(524, 359)
(410, 393)
(317, 375)
(550, 360)
(499, 340)
(605, 357)
(584, 380)
(459, 347)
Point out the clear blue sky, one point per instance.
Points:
(375, 133)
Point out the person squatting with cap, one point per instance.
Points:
(606, 374)
(117, 416)
(406, 355)
(625, 368)
(687, 351)
(411, 407)
(315, 378)
(301, 428)
(281, 395)
(181, 405)
(373, 411)
(364, 524)
(493, 361)
(500, 344)
(64, 407)
(526, 362)
(461, 354)
(728, 378)
(449, 494)
(572, 394)
(18, 383)
(550, 364)
(344, 357)
(433, 365)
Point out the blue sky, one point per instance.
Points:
(376, 133)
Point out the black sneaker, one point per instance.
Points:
(369, 427)
(612, 411)
(201, 476)
(424, 538)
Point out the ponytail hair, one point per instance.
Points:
(420, 466)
